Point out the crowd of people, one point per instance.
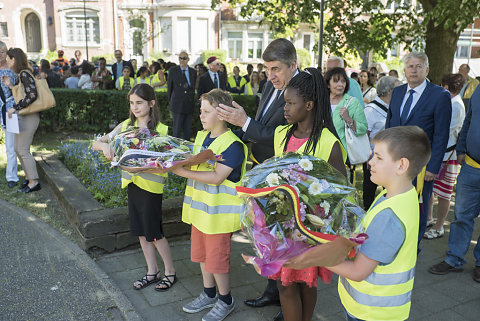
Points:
(420, 134)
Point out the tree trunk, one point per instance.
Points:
(440, 47)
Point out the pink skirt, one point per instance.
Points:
(444, 188)
(309, 276)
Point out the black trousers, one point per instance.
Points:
(369, 188)
(182, 125)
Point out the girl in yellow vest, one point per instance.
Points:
(310, 131)
(378, 283)
(143, 76)
(213, 207)
(145, 191)
(125, 82)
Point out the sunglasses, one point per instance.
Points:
(183, 58)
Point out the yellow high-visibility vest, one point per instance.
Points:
(122, 81)
(386, 293)
(152, 183)
(233, 84)
(214, 209)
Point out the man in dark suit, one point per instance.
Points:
(213, 78)
(181, 96)
(280, 61)
(117, 67)
(428, 106)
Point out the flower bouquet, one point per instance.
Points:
(295, 202)
(141, 149)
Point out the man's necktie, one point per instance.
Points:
(215, 81)
(185, 75)
(406, 108)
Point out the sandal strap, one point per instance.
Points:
(144, 280)
(165, 280)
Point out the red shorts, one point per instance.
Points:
(211, 249)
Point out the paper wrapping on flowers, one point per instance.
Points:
(295, 202)
(141, 149)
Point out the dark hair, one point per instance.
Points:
(311, 86)
(44, 65)
(147, 93)
(336, 73)
(65, 67)
(454, 82)
(141, 70)
(393, 71)
(354, 75)
(87, 68)
(74, 70)
(408, 142)
(282, 50)
(369, 77)
(156, 67)
(21, 62)
(217, 96)
(103, 59)
(249, 66)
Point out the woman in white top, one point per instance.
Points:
(376, 114)
(85, 81)
(443, 186)
(366, 84)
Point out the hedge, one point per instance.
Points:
(97, 111)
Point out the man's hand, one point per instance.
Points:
(460, 158)
(235, 115)
(429, 176)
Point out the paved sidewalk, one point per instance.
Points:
(44, 276)
(436, 298)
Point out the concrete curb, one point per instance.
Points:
(123, 304)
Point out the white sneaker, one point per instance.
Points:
(220, 311)
(202, 302)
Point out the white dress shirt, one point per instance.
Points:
(213, 77)
(416, 96)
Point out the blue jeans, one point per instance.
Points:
(467, 208)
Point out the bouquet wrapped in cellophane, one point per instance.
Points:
(295, 202)
(140, 149)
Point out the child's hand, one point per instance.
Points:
(108, 152)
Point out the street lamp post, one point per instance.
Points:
(320, 40)
(85, 26)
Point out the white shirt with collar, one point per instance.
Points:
(416, 96)
(273, 97)
(376, 117)
(213, 77)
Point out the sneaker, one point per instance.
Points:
(219, 312)
(200, 303)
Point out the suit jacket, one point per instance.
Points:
(124, 63)
(205, 83)
(181, 96)
(261, 132)
(432, 113)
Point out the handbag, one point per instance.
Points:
(45, 99)
(358, 147)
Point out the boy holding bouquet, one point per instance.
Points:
(378, 283)
(213, 208)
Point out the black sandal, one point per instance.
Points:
(144, 282)
(166, 282)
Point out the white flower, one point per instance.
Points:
(273, 179)
(315, 189)
(305, 164)
(326, 207)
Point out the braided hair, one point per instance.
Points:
(312, 87)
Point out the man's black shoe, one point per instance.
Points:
(279, 316)
(443, 268)
(261, 301)
(476, 274)
(12, 184)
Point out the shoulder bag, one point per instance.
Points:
(45, 99)
(358, 147)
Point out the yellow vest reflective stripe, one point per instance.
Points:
(322, 150)
(233, 83)
(214, 209)
(122, 81)
(152, 183)
(148, 81)
(386, 293)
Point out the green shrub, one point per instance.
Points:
(95, 111)
(219, 53)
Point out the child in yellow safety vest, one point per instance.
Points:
(125, 82)
(145, 191)
(310, 131)
(143, 76)
(378, 283)
(213, 207)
